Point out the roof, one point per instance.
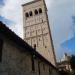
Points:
(30, 2)
(20, 42)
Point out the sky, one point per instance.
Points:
(6, 21)
(61, 14)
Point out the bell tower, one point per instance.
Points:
(36, 30)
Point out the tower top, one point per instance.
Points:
(31, 2)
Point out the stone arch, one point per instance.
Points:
(30, 13)
(26, 14)
(40, 10)
(36, 12)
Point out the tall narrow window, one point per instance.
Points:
(40, 10)
(1, 46)
(36, 12)
(42, 21)
(27, 15)
(39, 68)
(45, 46)
(44, 67)
(30, 13)
(49, 71)
(35, 46)
(33, 64)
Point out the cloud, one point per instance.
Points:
(12, 10)
(60, 18)
(5, 21)
(69, 44)
(59, 11)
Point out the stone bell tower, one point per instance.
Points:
(36, 30)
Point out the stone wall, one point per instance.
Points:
(17, 61)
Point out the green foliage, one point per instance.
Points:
(73, 72)
(72, 62)
(62, 72)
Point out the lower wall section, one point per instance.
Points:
(15, 62)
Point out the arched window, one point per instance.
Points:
(26, 14)
(40, 10)
(30, 13)
(36, 12)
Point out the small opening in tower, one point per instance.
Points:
(42, 21)
(45, 46)
(39, 39)
(35, 46)
(36, 12)
(40, 10)
(30, 13)
(26, 14)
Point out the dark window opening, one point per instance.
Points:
(33, 64)
(27, 15)
(39, 68)
(43, 66)
(40, 10)
(30, 13)
(42, 21)
(1, 46)
(39, 39)
(35, 46)
(49, 71)
(45, 46)
(36, 12)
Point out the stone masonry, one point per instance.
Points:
(17, 54)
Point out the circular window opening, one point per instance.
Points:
(40, 10)
(30, 13)
(36, 12)
(27, 15)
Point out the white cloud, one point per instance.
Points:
(60, 12)
(60, 17)
(12, 10)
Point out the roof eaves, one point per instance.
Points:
(30, 2)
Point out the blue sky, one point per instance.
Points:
(5, 21)
(1, 2)
(69, 44)
(61, 15)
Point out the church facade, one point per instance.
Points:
(36, 30)
(19, 58)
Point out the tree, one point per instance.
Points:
(73, 72)
(72, 62)
(62, 72)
